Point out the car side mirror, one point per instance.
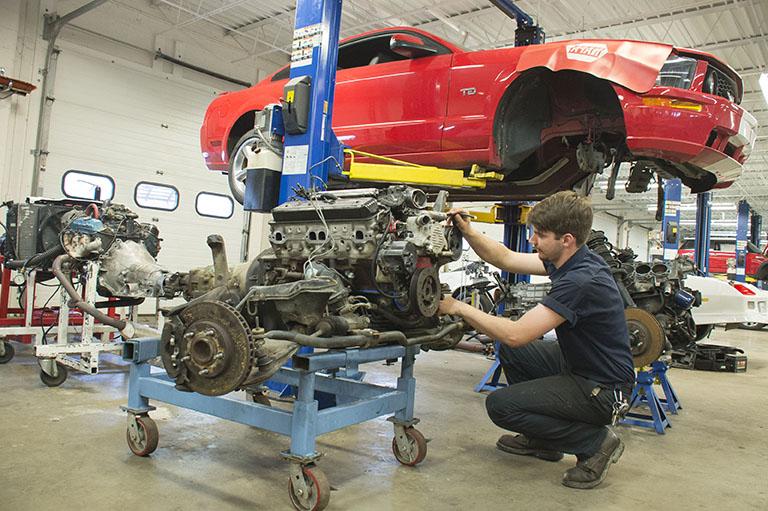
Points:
(410, 47)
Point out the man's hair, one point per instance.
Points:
(563, 212)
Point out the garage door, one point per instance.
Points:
(142, 129)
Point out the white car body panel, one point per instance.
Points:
(721, 303)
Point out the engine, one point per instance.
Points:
(656, 287)
(59, 238)
(353, 268)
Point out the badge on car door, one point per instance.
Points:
(469, 91)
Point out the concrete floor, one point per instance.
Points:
(65, 449)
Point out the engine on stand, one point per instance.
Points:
(353, 268)
(101, 248)
(657, 303)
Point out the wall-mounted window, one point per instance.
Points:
(156, 196)
(79, 184)
(214, 205)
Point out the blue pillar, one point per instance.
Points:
(309, 157)
(670, 225)
(515, 236)
(755, 227)
(703, 228)
(742, 230)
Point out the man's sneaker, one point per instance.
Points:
(519, 444)
(591, 471)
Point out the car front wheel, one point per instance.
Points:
(237, 164)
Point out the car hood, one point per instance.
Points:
(631, 64)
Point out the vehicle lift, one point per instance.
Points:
(514, 216)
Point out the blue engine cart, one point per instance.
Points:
(356, 402)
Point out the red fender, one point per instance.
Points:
(631, 64)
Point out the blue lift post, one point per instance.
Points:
(742, 231)
(755, 228)
(516, 238)
(670, 225)
(703, 227)
(309, 157)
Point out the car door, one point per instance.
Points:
(389, 104)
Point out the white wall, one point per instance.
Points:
(22, 51)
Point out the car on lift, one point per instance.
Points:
(722, 258)
(547, 117)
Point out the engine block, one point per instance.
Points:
(345, 269)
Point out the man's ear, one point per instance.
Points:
(569, 239)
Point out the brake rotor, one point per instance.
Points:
(646, 336)
(216, 349)
(425, 293)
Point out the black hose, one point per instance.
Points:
(459, 325)
(33, 261)
(77, 301)
(342, 341)
(350, 341)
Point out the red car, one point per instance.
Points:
(545, 116)
(722, 258)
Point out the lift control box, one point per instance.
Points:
(296, 105)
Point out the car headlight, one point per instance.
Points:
(677, 72)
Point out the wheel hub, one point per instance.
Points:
(208, 348)
(646, 336)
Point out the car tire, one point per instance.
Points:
(762, 272)
(703, 331)
(237, 165)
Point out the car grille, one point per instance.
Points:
(726, 86)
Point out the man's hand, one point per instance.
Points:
(461, 219)
(450, 305)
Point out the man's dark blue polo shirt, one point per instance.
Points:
(594, 337)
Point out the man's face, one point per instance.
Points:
(548, 246)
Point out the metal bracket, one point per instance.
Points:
(405, 424)
(301, 460)
(138, 411)
(298, 482)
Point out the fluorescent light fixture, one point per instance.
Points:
(764, 85)
(717, 206)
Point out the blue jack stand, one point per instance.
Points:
(644, 393)
(490, 381)
(670, 402)
(356, 402)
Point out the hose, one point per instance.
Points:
(342, 341)
(77, 301)
(31, 262)
(350, 341)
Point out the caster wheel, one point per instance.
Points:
(54, 381)
(417, 447)
(143, 440)
(318, 490)
(8, 354)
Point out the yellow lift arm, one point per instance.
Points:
(398, 171)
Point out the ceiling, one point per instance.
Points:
(259, 32)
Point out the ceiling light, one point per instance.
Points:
(764, 85)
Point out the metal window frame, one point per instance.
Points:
(87, 173)
(197, 210)
(153, 183)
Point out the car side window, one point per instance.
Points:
(368, 51)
